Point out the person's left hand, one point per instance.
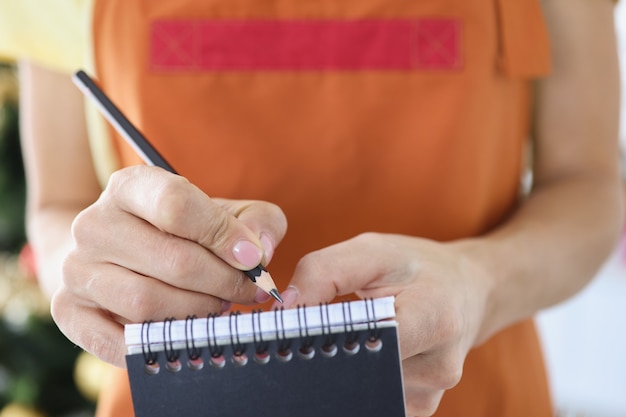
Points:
(441, 299)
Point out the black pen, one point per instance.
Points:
(151, 156)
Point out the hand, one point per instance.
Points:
(154, 246)
(441, 300)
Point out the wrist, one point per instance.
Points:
(474, 261)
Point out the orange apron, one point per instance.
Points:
(403, 117)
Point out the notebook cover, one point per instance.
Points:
(362, 384)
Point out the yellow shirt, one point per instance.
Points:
(57, 34)
(52, 33)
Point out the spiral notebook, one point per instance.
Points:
(339, 359)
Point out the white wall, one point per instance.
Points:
(585, 346)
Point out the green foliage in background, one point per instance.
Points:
(36, 360)
(12, 182)
(36, 368)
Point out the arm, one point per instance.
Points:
(150, 245)
(60, 175)
(561, 234)
(452, 296)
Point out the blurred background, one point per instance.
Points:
(42, 374)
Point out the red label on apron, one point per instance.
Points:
(242, 45)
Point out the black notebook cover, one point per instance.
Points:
(358, 381)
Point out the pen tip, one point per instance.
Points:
(274, 293)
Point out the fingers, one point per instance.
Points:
(154, 246)
(98, 298)
(432, 360)
(136, 245)
(135, 298)
(90, 328)
(361, 265)
(265, 220)
(431, 304)
(172, 204)
(426, 377)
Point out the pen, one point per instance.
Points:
(259, 275)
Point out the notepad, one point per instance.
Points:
(338, 359)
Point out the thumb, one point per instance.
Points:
(354, 266)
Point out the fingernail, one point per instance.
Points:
(268, 247)
(290, 295)
(261, 296)
(248, 254)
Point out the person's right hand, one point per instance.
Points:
(155, 246)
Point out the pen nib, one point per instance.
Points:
(274, 293)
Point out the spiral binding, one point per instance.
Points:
(192, 351)
(329, 348)
(195, 360)
(261, 354)
(283, 351)
(149, 357)
(373, 342)
(306, 349)
(215, 350)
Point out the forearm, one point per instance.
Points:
(60, 176)
(559, 236)
(549, 249)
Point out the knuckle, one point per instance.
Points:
(310, 262)
(276, 213)
(100, 345)
(367, 240)
(217, 232)
(68, 269)
(241, 288)
(115, 179)
(76, 276)
(81, 225)
(366, 236)
(445, 375)
(144, 305)
(449, 326)
(180, 262)
(171, 201)
(69, 317)
(119, 179)
(58, 308)
(433, 372)
(449, 376)
(97, 281)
